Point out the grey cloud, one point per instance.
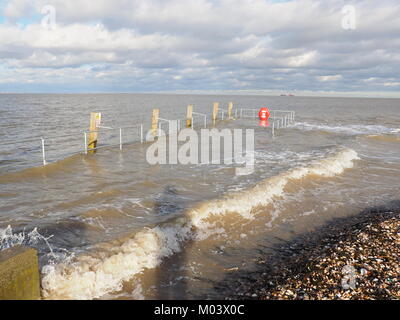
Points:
(200, 44)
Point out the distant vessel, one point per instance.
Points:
(288, 95)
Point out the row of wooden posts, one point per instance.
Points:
(91, 136)
(189, 116)
(95, 121)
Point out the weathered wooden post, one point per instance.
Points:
(230, 108)
(189, 117)
(19, 274)
(154, 122)
(95, 121)
(215, 111)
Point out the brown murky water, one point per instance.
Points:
(123, 229)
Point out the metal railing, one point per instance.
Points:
(200, 115)
(119, 131)
(41, 143)
(280, 119)
(223, 112)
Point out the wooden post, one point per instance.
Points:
(189, 116)
(154, 122)
(95, 121)
(215, 111)
(230, 108)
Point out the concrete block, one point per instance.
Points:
(19, 274)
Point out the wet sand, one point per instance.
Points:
(356, 258)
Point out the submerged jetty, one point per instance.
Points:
(356, 258)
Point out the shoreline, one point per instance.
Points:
(353, 258)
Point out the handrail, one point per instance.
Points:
(201, 115)
(128, 127)
(277, 123)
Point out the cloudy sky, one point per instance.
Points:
(305, 47)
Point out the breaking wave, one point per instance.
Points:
(385, 138)
(108, 265)
(9, 239)
(348, 130)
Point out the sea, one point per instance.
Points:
(111, 225)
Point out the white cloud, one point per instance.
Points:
(19, 8)
(329, 78)
(392, 84)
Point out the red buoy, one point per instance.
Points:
(264, 114)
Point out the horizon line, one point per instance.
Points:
(293, 94)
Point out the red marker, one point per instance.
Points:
(264, 114)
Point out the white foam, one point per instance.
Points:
(9, 239)
(102, 271)
(137, 293)
(108, 265)
(262, 195)
(345, 129)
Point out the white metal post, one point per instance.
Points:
(43, 153)
(141, 133)
(120, 138)
(273, 129)
(86, 145)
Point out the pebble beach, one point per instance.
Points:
(356, 258)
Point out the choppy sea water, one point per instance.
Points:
(111, 226)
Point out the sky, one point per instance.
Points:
(302, 47)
